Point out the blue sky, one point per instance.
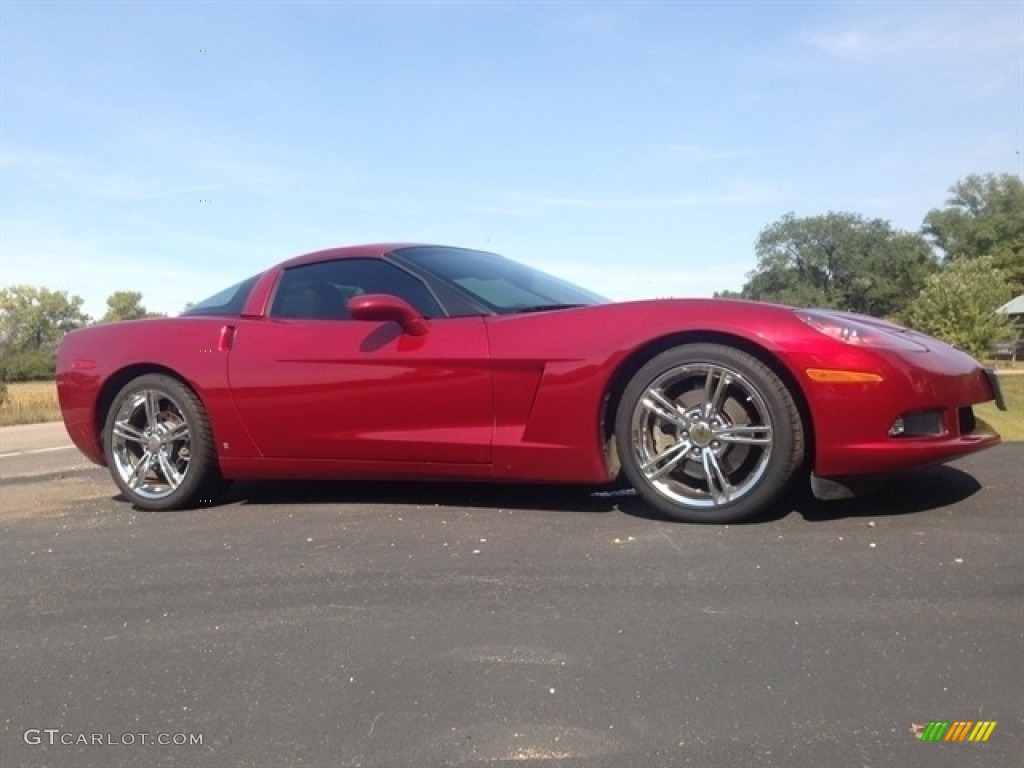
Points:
(637, 148)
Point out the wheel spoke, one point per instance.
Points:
(152, 408)
(657, 403)
(742, 434)
(140, 470)
(127, 431)
(176, 433)
(666, 461)
(718, 486)
(168, 470)
(715, 385)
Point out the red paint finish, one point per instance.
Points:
(185, 347)
(523, 397)
(316, 389)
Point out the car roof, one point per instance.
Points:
(371, 250)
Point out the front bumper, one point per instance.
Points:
(855, 424)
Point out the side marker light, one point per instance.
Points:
(831, 376)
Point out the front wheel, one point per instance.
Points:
(159, 445)
(708, 434)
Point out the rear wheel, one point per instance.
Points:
(159, 445)
(708, 434)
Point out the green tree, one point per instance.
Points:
(984, 216)
(839, 260)
(958, 305)
(124, 305)
(32, 322)
(29, 365)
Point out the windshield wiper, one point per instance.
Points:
(545, 308)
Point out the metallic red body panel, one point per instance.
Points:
(93, 358)
(851, 421)
(364, 391)
(552, 429)
(512, 397)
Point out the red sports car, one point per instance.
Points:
(421, 361)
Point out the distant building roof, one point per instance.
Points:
(1013, 306)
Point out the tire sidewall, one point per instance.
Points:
(200, 443)
(781, 463)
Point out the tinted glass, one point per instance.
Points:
(500, 284)
(227, 303)
(322, 291)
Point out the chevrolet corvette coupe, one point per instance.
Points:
(430, 362)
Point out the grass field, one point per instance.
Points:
(29, 402)
(34, 401)
(1008, 423)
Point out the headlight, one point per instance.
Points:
(850, 330)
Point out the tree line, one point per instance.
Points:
(947, 279)
(33, 320)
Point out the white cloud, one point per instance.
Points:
(970, 30)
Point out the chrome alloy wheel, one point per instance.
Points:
(702, 435)
(150, 444)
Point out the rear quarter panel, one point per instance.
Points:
(94, 363)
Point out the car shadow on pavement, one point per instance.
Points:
(905, 494)
(421, 494)
(919, 491)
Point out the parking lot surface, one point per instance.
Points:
(430, 625)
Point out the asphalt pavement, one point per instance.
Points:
(32, 450)
(377, 625)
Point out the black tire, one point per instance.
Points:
(159, 445)
(708, 434)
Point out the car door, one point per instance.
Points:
(311, 383)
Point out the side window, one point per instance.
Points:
(321, 291)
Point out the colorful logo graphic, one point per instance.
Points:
(958, 730)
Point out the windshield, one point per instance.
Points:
(226, 303)
(502, 285)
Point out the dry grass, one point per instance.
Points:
(29, 402)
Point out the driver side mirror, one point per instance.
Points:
(382, 307)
